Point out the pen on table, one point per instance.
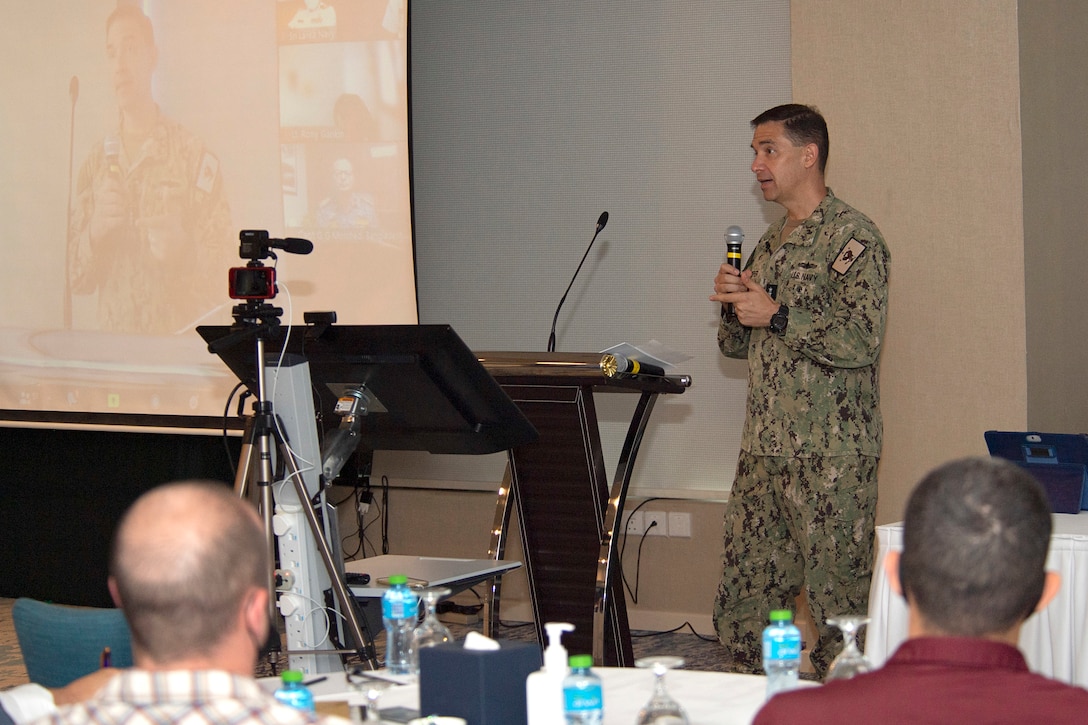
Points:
(106, 658)
(314, 681)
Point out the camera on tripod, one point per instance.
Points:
(254, 281)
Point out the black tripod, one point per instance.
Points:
(255, 465)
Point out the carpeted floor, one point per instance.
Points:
(698, 653)
(12, 671)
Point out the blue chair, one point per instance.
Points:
(61, 643)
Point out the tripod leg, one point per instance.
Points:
(242, 471)
(254, 442)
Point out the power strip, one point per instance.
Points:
(460, 617)
(459, 613)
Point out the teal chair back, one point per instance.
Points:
(62, 643)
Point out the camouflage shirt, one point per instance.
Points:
(814, 390)
(168, 265)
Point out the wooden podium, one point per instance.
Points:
(569, 516)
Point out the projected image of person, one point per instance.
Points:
(353, 118)
(347, 207)
(150, 223)
(313, 14)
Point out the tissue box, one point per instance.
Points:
(485, 687)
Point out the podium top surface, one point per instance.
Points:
(578, 368)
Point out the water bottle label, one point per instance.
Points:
(399, 606)
(782, 649)
(298, 698)
(576, 699)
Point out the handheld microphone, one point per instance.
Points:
(111, 147)
(613, 365)
(601, 221)
(734, 238)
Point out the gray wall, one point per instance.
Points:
(1053, 109)
(528, 120)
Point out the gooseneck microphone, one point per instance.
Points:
(601, 221)
(734, 238)
(73, 95)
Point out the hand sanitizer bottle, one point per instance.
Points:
(544, 688)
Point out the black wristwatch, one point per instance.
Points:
(780, 320)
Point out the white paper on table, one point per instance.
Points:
(652, 352)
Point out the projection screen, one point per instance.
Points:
(139, 139)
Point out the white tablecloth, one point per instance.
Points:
(1054, 641)
(709, 698)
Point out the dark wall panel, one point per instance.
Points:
(63, 492)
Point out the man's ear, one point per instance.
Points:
(115, 595)
(810, 155)
(891, 569)
(1051, 585)
(255, 612)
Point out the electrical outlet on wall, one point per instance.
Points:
(656, 523)
(635, 525)
(680, 524)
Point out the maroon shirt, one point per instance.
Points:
(937, 680)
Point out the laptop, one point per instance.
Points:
(1058, 460)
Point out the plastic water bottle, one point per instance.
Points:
(781, 652)
(583, 701)
(400, 610)
(292, 692)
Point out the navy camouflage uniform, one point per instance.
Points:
(803, 503)
(141, 288)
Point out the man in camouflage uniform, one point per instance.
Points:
(802, 507)
(150, 227)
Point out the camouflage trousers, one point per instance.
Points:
(793, 522)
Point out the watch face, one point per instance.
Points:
(779, 320)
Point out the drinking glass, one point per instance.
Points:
(661, 709)
(369, 686)
(430, 631)
(850, 661)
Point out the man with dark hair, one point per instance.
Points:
(189, 568)
(975, 539)
(809, 312)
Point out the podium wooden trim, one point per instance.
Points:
(569, 515)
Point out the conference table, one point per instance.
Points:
(1054, 641)
(709, 698)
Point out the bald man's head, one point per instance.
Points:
(185, 557)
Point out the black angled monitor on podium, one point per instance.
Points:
(428, 391)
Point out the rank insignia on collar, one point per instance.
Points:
(850, 253)
(209, 171)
